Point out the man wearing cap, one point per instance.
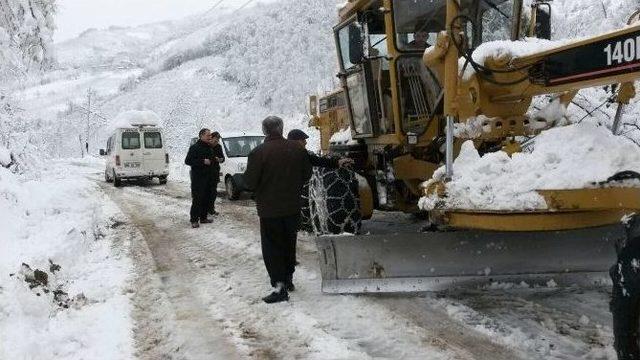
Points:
(300, 137)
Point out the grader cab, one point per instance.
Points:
(411, 73)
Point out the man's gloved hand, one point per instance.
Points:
(207, 162)
(345, 162)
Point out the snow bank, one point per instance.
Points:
(60, 220)
(136, 118)
(342, 137)
(472, 128)
(554, 113)
(5, 156)
(567, 157)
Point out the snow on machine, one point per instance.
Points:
(437, 96)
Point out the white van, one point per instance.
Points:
(236, 148)
(135, 150)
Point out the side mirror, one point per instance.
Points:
(542, 24)
(102, 152)
(313, 105)
(356, 44)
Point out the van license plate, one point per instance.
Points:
(132, 164)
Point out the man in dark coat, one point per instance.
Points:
(201, 158)
(218, 156)
(318, 161)
(276, 172)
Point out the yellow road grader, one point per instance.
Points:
(408, 77)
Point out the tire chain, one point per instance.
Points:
(330, 202)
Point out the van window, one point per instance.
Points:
(131, 140)
(152, 140)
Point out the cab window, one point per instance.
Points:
(347, 36)
(418, 23)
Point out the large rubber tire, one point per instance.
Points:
(117, 182)
(340, 206)
(625, 295)
(233, 193)
(106, 176)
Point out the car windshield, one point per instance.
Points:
(241, 146)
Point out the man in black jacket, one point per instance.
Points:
(218, 156)
(201, 158)
(300, 137)
(276, 172)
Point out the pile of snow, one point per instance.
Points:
(133, 118)
(75, 305)
(508, 49)
(554, 113)
(567, 157)
(472, 128)
(342, 137)
(5, 156)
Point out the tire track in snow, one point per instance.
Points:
(300, 328)
(544, 323)
(153, 333)
(437, 330)
(198, 337)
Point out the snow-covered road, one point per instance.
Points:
(198, 297)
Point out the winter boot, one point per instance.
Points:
(277, 296)
(290, 287)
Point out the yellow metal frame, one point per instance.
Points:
(506, 108)
(592, 199)
(533, 221)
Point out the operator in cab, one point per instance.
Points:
(419, 38)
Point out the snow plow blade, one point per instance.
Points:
(433, 261)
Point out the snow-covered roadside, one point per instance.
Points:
(58, 217)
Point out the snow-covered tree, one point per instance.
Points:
(26, 30)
